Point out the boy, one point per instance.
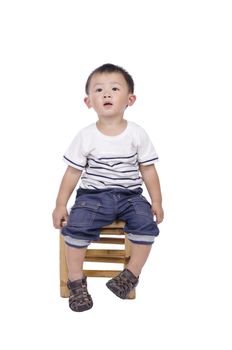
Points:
(109, 157)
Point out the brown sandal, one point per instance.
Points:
(79, 300)
(123, 284)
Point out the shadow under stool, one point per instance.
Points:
(113, 235)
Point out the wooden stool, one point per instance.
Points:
(120, 256)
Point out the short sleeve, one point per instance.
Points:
(146, 152)
(75, 155)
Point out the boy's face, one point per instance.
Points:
(109, 94)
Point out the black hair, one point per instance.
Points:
(111, 68)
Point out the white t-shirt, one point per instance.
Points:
(111, 161)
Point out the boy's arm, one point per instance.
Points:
(151, 180)
(68, 184)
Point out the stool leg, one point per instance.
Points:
(132, 294)
(64, 291)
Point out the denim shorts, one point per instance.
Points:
(94, 209)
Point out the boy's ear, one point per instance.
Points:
(131, 99)
(87, 102)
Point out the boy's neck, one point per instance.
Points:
(111, 126)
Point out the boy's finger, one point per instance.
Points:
(63, 221)
(57, 224)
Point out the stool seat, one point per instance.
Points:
(111, 234)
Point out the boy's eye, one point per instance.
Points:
(115, 89)
(98, 90)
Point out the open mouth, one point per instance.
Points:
(108, 104)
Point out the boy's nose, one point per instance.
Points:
(107, 95)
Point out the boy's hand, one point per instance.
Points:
(158, 212)
(59, 214)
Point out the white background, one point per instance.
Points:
(179, 54)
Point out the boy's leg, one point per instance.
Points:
(79, 299)
(128, 279)
(75, 259)
(141, 230)
(139, 255)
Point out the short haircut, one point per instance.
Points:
(111, 68)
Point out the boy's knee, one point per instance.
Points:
(78, 243)
(141, 239)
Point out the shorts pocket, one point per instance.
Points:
(83, 213)
(141, 206)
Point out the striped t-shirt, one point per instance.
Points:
(111, 161)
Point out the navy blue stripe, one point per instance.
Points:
(114, 178)
(84, 177)
(124, 186)
(146, 161)
(111, 166)
(118, 157)
(115, 171)
(115, 185)
(81, 166)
